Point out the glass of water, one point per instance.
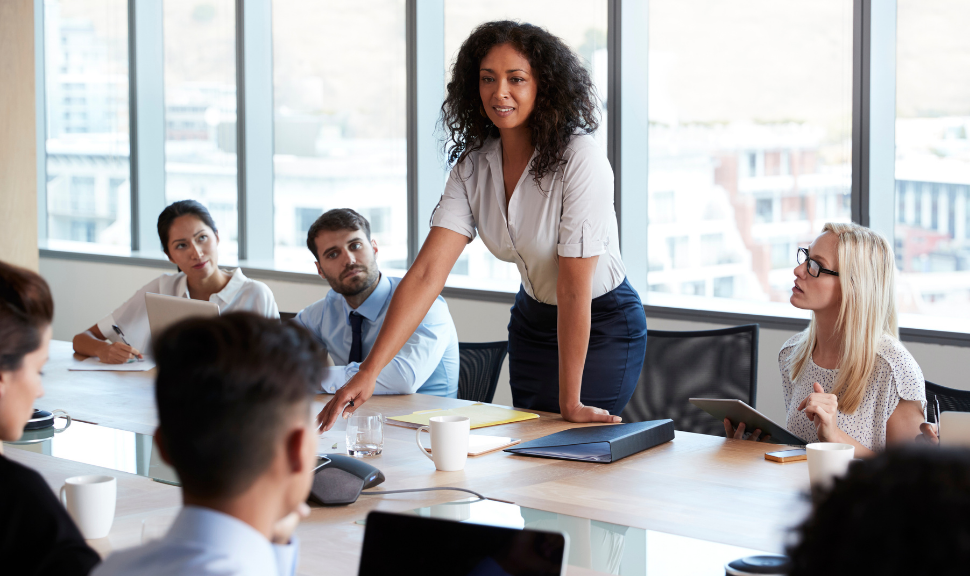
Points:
(365, 434)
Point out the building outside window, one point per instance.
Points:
(86, 89)
(340, 121)
(750, 127)
(933, 158)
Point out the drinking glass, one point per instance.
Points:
(365, 434)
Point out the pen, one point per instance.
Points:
(937, 402)
(123, 339)
(120, 333)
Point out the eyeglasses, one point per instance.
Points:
(814, 268)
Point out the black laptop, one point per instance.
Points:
(406, 544)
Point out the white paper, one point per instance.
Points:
(94, 363)
(336, 436)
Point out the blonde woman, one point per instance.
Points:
(847, 378)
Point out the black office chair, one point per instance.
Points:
(284, 316)
(478, 369)
(702, 364)
(950, 399)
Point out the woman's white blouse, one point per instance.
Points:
(896, 376)
(571, 215)
(240, 293)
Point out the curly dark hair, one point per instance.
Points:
(905, 511)
(565, 97)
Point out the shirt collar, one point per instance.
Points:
(235, 283)
(218, 532)
(182, 285)
(371, 308)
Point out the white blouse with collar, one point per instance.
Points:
(571, 216)
(240, 293)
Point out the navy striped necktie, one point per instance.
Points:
(356, 347)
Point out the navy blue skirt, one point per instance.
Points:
(617, 344)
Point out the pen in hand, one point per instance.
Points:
(125, 340)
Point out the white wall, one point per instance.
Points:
(84, 292)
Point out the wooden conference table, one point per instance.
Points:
(698, 486)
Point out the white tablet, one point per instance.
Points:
(163, 311)
(737, 411)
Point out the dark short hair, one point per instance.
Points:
(905, 511)
(336, 219)
(26, 309)
(566, 102)
(182, 208)
(225, 389)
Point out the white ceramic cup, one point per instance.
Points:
(90, 500)
(828, 461)
(449, 442)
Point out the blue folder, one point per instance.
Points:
(602, 444)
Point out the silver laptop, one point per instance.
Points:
(163, 311)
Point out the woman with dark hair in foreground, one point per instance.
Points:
(190, 239)
(531, 181)
(38, 537)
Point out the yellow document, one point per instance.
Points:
(480, 416)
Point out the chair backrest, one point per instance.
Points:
(699, 364)
(950, 399)
(284, 316)
(479, 368)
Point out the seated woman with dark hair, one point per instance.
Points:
(36, 529)
(191, 242)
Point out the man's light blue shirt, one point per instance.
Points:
(203, 542)
(428, 362)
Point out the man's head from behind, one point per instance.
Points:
(346, 255)
(233, 399)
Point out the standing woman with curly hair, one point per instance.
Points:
(528, 177)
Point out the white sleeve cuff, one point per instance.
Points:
(335, 377)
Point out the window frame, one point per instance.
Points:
(873, 155)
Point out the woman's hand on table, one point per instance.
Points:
(579, 412)
(823, 410)
(348, 399)
(738, 433)
(117, 353)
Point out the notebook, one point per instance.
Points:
(478, 445)
(602, 444)
(480, 415)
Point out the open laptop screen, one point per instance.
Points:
(406, 544)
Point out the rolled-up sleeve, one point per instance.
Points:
(587, 205)
(453, 210)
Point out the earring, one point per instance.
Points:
(481, 110)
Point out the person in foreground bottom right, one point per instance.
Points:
(847, 378)
(903, 512)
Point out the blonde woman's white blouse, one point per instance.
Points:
(570, 216)
(240, 293)
(896, 377)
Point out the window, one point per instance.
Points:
(200, 110)
(340, 97)
(86, 85)
(933, 158)
(750, 113)
(581, 24)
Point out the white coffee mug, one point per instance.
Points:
(828, 461)
(449, 442)
(90, 500)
